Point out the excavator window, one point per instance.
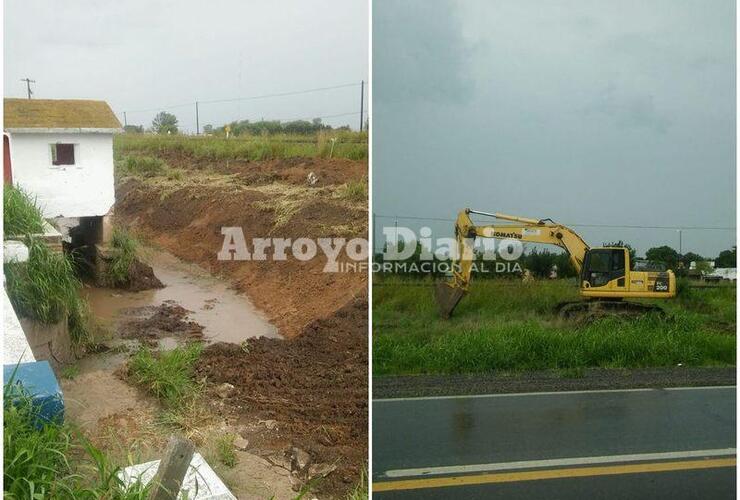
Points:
(603, 265)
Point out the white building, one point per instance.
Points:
(61, 151)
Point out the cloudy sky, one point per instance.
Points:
(139, 55)
(587, 112)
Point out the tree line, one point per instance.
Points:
(167, 123)
(540, 262)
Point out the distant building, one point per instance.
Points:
(61, 151)
(724, 273)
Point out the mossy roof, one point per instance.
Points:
(58, 113)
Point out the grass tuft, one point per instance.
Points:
(46, 289)
(225, 449)
(21, 214)
(168, 375)
(124, 249)
(355, 191)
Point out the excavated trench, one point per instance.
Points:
(191, 301)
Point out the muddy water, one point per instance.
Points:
(225, 315)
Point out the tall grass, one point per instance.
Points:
(46, 289)
(168, 375)
(353, 191)
(350, 145)
(21, 214)
(506, 325)
(124, 250)
(51, 460)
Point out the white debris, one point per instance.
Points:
(200, 483)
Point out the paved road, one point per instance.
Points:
(645, 443)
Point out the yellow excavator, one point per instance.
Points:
(606, 275)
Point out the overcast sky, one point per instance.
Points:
(149, 54)
(588, 112)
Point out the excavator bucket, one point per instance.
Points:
(447, 298)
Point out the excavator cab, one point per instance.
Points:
(607, 273)
(605, 267)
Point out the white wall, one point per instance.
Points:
(80, 190)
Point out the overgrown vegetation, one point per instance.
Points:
(21, 214)
(46, 289)
(355, 191)
(50, 460)
(351, 145)
(168, 375)
(508, 325)
(124, 249)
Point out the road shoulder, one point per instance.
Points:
(546, 381)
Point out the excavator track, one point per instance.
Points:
(589, 310)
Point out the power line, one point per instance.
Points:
(282, 94)
(612, 226)
(235, 99)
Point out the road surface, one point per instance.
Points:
(638, 443)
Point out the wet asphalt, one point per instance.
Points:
(411, 435)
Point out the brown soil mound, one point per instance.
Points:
(314, 387)
(141, 277)
(328, 172)
(166, 320)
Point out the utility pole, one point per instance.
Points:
(125, 121)
(197, 120)
(28, 85)
(362, 101)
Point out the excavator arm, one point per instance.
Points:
(543, 231)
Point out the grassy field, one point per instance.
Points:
(508, 326)
(334, 144)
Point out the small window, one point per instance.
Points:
(62, 154)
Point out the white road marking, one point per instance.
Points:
(551, 393)
(558, 462)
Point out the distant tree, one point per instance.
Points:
(664, 254)
(727, 258)
(690, 257)
(164, 123)
(208, 129)
(620, 243)
(540, 262)
(134, 129)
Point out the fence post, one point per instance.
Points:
(172, 469)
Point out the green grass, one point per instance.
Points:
(46, 289)
(168, 375)
(360, 491)
(507, 325)
(52, 460)
(225, 449)
(142, 166)
(353, 191)
(350, 145)
(21, 214)
(70, 372)
(124, 250)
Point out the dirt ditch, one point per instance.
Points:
(306, 394)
